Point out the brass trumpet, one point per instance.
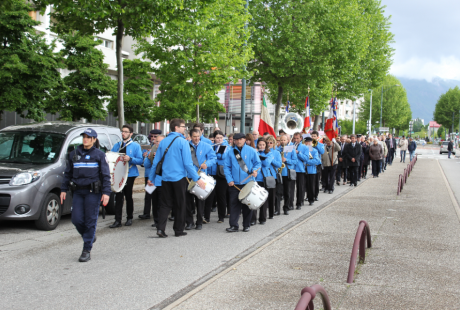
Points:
(315, 142)
(280, 170)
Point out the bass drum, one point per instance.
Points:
(253, 195)
(118, 171)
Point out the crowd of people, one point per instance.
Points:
(292, 170)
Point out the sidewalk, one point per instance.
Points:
(414, 262)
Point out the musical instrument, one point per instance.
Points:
(283, 165)
(118, 171)
(196, 190)
(253, 195)
(315, 142)
(291, 123)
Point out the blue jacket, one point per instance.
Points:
(302, 158)
(291, 161)
(266, 160)
(212, 170)
(178, 161)
(233, 172)
(276, 163)
(148, 168)
(412, 146)
(315, 161)
(203, 152)
(205, 140)
(134, 151)
(320, 148)
(88, 168)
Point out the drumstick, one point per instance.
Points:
(188, 180)
(236, 187)
(249, 176)
(200, 167)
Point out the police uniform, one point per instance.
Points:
(87, 175)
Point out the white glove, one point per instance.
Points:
(333, 140)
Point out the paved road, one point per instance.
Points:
(451, 168)
(131, 268)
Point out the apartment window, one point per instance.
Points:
(106, 43)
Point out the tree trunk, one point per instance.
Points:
(316, 122)
(121, 111)
(277, 108)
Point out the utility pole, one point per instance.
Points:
(354, 115)
(243, 86)
(381, 108)
(370, 110)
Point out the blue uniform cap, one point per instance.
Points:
(89, 132)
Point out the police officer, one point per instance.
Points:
(88, 176)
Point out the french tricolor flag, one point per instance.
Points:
(307, 123)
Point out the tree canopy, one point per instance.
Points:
(447, 104)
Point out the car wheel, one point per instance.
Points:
(110, 207)
(50, 215)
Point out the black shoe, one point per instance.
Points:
(154, 225)
(199, 227)
(356, 184)
(316, 198)
(220, 221)
(311, 203)
(338, 183)
(227, 216)
(189, 226)
(129, 222)
(276, 213)
(161, 234)
(306, 199)
(298, 208)
(351, 184)
(291, 207)
(214, 209)
(325, 190)
(85, 256)
(246, 229)
(181, 234)
(206, 221)
(171, 218)
(330, 192)
(232, 229)
(270, 217)
(144, 217)
(262, 223)
(286, 212)
(116, 224)
(253, 223)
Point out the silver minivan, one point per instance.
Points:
(32, 164)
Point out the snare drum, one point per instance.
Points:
(253, 195)
(202, 194)
(118, 171)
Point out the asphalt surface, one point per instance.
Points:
(131, 268)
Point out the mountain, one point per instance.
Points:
(423, 95)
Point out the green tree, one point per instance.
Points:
(418, 124)
(87, 86)
(447, 104)
(137, 87)
(441, 132)
(396, 109)
(29, 77)
(126, 17)
(196, 55)
(347, 127)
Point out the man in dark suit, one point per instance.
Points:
(391, 145)
(352, 153)
(342, 162)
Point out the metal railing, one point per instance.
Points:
(362, 234)
(307, 296)
(403, 177)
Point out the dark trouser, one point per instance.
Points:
(354, 170)
(324, 178)
(310, 185)
(156, 202)
(449, 153)
(403, 156)
(286, 191)
(173, 197)
(220, 194)
(375, 168)
(148, 201)
(279, 193)
(85, 210)
(329, 177)
(262, 210)
(128, 193)
(365, 171)
(236, 208)
(292, 192)
(361, 161)
(389, 157)
(192, 202)
(300, 183)
(339, 173)
(319, 170)
(228, 201)
(271, 201)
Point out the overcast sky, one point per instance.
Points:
(426, 38)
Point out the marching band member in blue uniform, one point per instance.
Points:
(311, 169)
(200, 127)
(273, 202)
(302, 155)
(290, 161)
(133, 155)
(217, 172)
(241, 155)
(174, 166)
(266, 157)
(202, 156)
(319, 169)
(88, 177)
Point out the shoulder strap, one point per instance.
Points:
(240, 161)
(194, 159)
(166, 151)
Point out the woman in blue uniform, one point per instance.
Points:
(87, 175)
(266, 157)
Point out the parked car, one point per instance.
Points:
(421, 142)
(32, 163)
(143, 140)
(443, 148)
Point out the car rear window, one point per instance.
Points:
(445, 143)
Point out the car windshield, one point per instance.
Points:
(30, 147)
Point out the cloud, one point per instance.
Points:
(426, 68)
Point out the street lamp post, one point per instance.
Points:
(381, 102)
(243, 88)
